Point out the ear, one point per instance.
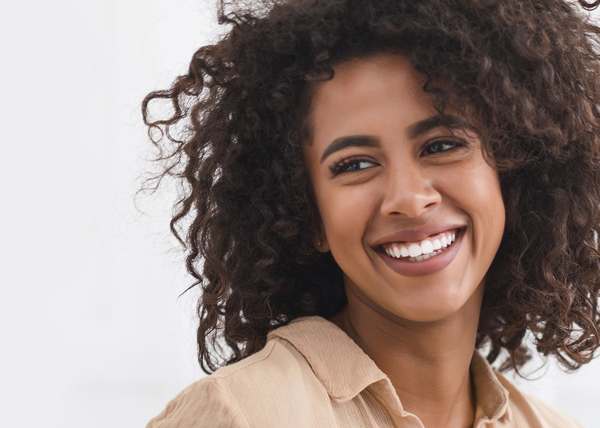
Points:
(321, 242)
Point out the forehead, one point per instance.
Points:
(367, 89)
(366, 72)
(385, 84)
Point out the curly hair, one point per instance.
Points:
(238, 121)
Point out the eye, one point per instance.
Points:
(439, 146)
(350, 165)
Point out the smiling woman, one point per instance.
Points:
(369, 187)
(415, 181)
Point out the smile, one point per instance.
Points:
(421, 250)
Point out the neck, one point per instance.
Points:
(427, 363)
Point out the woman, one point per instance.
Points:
(376, 189)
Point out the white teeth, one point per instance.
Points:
(422, 250)
(426, 246)
(414, 250)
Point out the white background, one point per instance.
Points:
(93, 333)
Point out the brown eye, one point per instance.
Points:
(350, 165)
(440, 146)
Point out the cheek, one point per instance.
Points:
(476, 191)
(492, 195)
(489, 209)
(345, 213)
(479, 187)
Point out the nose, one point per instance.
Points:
(409, 192)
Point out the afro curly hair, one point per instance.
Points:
(239, 120)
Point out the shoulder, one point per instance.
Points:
(251, 392)
(528, 410)
(197, 405)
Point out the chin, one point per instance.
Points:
(430, 315)
(439, 307)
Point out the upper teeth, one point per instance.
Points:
(422, 248)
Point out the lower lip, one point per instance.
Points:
(424, 267)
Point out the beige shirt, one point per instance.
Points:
(311, 374)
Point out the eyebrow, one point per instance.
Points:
(440, 120)
(350, 141)
(413, 132)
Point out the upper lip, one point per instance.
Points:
(417, 234)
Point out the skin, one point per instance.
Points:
(401, 177)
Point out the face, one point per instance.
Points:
(410, 210)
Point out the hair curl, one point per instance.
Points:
(530, 69)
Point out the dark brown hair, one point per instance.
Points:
(530, 69)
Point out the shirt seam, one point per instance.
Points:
(232, 372)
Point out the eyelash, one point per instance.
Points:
(344, 165)
(454, 145)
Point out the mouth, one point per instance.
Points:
(418, 251)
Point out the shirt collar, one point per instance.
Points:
(322, 343)
(491, 396)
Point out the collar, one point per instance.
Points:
(491, 397)
(321, 342)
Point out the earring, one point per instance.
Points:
(319, 243)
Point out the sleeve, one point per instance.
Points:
(202, 405)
